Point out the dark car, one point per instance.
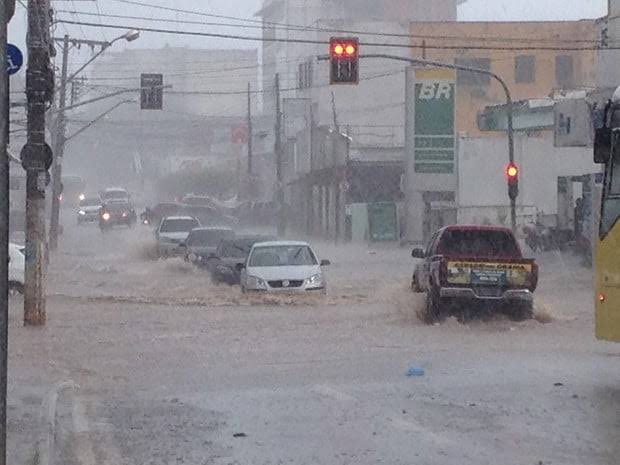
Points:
(202, 243)
(209, 216)
(161, 211)
(230, 254)
(118, 213)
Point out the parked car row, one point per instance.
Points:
(256, 262)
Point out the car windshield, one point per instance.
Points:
(90, 202)
(235, 249)
(478, 243)
(208, 237)
(117, 206)
(114, 195)
(178, 225)
(282, 256)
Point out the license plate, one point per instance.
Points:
(488, 277)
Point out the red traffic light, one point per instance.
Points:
(512, 172)
(344, 60)
(344, 47)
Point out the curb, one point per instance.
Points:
(44, 454)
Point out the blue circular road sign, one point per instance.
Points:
(15, 59)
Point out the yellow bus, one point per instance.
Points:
(607, 263)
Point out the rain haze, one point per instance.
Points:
(323, 232)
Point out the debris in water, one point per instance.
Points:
(415, 371)
(240, 435)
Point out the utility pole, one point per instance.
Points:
(279, 173)
(59, 148)
(36, 157)
(4, 230)
(250, 154)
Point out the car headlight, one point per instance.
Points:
(315, 281)
(254, 282)
(124, 214)
(81, 213)
(82, 197)
(106, 216)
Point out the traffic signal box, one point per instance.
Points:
(512, 176)
(344, 60)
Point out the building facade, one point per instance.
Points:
(541, 64)
(324, 174)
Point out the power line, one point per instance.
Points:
(100, 16)
(297, 27)
(322, 42)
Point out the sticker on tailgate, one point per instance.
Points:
(488, 273)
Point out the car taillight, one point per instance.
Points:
(534, 278)
(443, 272)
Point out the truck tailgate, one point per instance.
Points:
(515, 274)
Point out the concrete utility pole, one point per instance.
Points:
(59, 148)
(4, 228)
(279, 172)
(36, 158)
(250, 154)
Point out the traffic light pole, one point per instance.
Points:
(510, 125)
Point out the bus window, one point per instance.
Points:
(611, 199)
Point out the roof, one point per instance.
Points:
(476, 227)
(173, 218)
(212, 228)
(283, 244)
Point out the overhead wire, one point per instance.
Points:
(346, 31)
(323, 42)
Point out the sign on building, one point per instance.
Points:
(574, 123)
(434, 149)
(152, 91)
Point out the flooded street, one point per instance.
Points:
(174, 369)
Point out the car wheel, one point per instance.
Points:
(522, 311)
(435, 307)
(415, 286)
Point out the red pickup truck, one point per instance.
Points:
(472, 266)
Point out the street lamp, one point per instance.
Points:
(129, 36)
(61, 138)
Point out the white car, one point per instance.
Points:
(172, 232)
(283, 266)
(17, 268)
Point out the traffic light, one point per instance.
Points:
(344, 60)
(512, 176)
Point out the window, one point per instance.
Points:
(304, 75)
(564, 71)
(473, 79)
(525, 69)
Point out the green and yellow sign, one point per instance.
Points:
(435, 146)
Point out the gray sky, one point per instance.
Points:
(483, 10)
